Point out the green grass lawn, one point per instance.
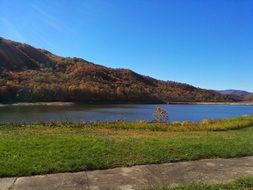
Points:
(58, 147)
(240, 184)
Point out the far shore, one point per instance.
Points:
(75, 103)
(214, 103)
(39, 104)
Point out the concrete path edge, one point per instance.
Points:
(137, 177)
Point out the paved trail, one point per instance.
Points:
(137, 177)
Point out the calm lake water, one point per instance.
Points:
(42, 113)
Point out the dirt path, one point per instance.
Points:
(137, 177)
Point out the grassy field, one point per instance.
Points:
(240, 184)
(58, 147)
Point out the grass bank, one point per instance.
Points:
(59, 147)
(240, 184)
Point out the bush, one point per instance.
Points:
(186, 123)
(208, 122)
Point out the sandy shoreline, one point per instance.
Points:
(73, 103)
(39, 104)
(214, 103)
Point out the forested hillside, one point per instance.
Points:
(238, 95)
(249, 98)
(28, 74)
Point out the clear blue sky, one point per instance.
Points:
(206, 43)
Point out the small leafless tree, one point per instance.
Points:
(161, 115)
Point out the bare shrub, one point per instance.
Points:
(161, 115)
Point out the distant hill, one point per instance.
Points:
(238, 94)
(28, 74)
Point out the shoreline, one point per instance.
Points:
(213, 103)
(39, 104)
(75, 103)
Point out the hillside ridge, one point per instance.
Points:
(29, 74)
(240, 95)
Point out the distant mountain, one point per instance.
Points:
(28, 74)
(239, 95)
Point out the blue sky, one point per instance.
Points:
(206, 43)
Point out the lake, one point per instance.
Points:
(177, 112)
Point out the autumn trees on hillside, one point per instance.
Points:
(95, 86)
(28, 74)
